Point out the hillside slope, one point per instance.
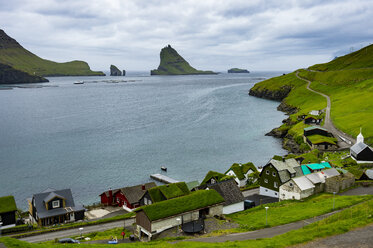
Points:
(348, 81)
(9, 75)
(173, 64)
(13, 54)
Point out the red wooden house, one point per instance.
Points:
(128, 196)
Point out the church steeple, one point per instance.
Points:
(360, 138)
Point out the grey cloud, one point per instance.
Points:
(211, 33)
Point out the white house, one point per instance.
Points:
(297, 188)
(241, 173)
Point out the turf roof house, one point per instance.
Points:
(160, 216)
(127, 197)
(275, 173)
(54, 207)
(8, 210)
(164, 192)
(242, 173)
(214, 177)
(360, 151)
(233, 198)
(319, 138)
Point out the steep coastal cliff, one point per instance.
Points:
(173, 64)
(114, 71)
(14, 55)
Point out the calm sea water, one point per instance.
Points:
(101, 134)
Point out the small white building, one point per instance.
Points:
(297, 188)
(241, 173)
(234, 200)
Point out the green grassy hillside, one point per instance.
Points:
(173, 64)
(348, 81)
(13, 54)
(359, 59)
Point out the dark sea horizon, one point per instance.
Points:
(113, 132)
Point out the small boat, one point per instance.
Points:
(79, 82)
(163, 168)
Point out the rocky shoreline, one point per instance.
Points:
(281, 132)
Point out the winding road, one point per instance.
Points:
(344, 140)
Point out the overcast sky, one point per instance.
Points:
(210, 35)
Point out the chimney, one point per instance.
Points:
(110, 196)
(143, 187)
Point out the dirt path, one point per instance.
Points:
(344, 140)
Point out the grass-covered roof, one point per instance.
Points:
(196, 200)
(168, 191)
(241, 169)
(7, 204)
(216, 175)
(317, 139)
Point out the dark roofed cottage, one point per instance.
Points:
(54, 207)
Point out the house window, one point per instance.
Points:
(56, 204)
(267, 172)
(266, 180)
(275, 184)
(275, 193)
(274, 174)
(291, 184)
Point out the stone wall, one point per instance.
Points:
(338, 183)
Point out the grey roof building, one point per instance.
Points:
(233, 198)
(277, 172)
(54, 207)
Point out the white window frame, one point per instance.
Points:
(56, 204)
(267, 172)
(275, 184)
(265, 180)
(274, 174)
(291, 184)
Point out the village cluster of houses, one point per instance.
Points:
(159, 208)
